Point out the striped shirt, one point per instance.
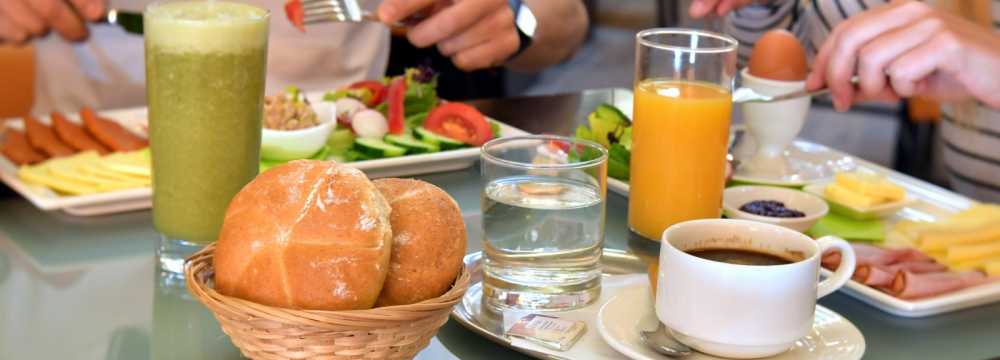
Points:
(971, 141)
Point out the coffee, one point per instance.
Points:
(742, 256)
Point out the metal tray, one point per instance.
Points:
(470, 313)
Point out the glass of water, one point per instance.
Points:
(543, 222)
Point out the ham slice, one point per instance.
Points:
(908, 285)
(874, 255)
(883, 275)
(873, 275)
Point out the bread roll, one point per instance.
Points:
(428, 243)
(305, 235)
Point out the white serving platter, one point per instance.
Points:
(135, 119)
(926, 202)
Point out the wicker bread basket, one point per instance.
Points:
(267, 332)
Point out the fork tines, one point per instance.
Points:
(318, 11)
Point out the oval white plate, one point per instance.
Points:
(619, 322)
(874, 212)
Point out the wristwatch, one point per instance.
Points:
(524, 21)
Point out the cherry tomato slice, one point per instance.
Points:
(377, 88)
(293, 10)
(460, 122)
(397, 114)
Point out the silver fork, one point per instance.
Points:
(320, 11)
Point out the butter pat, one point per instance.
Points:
(549, 331)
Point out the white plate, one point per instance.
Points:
(135, 199)
(622, 317)
(929, 203)
(874, 212)
(45, 199)
(810, 162)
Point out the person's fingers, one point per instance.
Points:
(91, 10)
(452, 20)
(487, 54)
(885, 95)
(394, 11)
(62, 18)
(842, 61)
(874, 56)
(10, 33)
(700, 8)
(918, 64)
(20, 14)
(497, 23)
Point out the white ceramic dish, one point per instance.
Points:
(631, 310)
(283, 145)
(807, 162)
(45, 199)
(929, 203)
(874, 212)
(136, 199)
(812, 206)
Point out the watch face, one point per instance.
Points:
(526, 21)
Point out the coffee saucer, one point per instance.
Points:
(631, 310)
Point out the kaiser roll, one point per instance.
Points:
(305, 235)
(429, 241)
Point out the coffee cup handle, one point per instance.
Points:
(843, 272)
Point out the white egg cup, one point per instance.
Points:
(774, 126)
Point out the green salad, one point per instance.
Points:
(398, 116)
(609, 127)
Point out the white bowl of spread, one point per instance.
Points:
(284, 145)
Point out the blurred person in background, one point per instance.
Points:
(82, 63)
(898, 49)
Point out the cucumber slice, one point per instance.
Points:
(376, 148)
(411, 144)
(340, 141)
(445, 143)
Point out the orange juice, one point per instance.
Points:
(679, 138)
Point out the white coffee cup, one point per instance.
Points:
(743, 311)
(773, 126)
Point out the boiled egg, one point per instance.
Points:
(778, 55)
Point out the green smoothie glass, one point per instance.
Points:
(205, 69)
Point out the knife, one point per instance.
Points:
(130, 21)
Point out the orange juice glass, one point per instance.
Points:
(682, 109)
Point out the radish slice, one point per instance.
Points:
(370, 124)
(347, 108)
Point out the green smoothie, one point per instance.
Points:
(205, 69)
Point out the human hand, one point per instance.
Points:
(475, 34)
(21, 20)
(702, 8)
(908, 48)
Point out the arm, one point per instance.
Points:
(478, 34)
(562, 27)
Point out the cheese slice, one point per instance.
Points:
(845, 196)
(40, 175)
(871, 185)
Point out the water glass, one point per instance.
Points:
(543, 204)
